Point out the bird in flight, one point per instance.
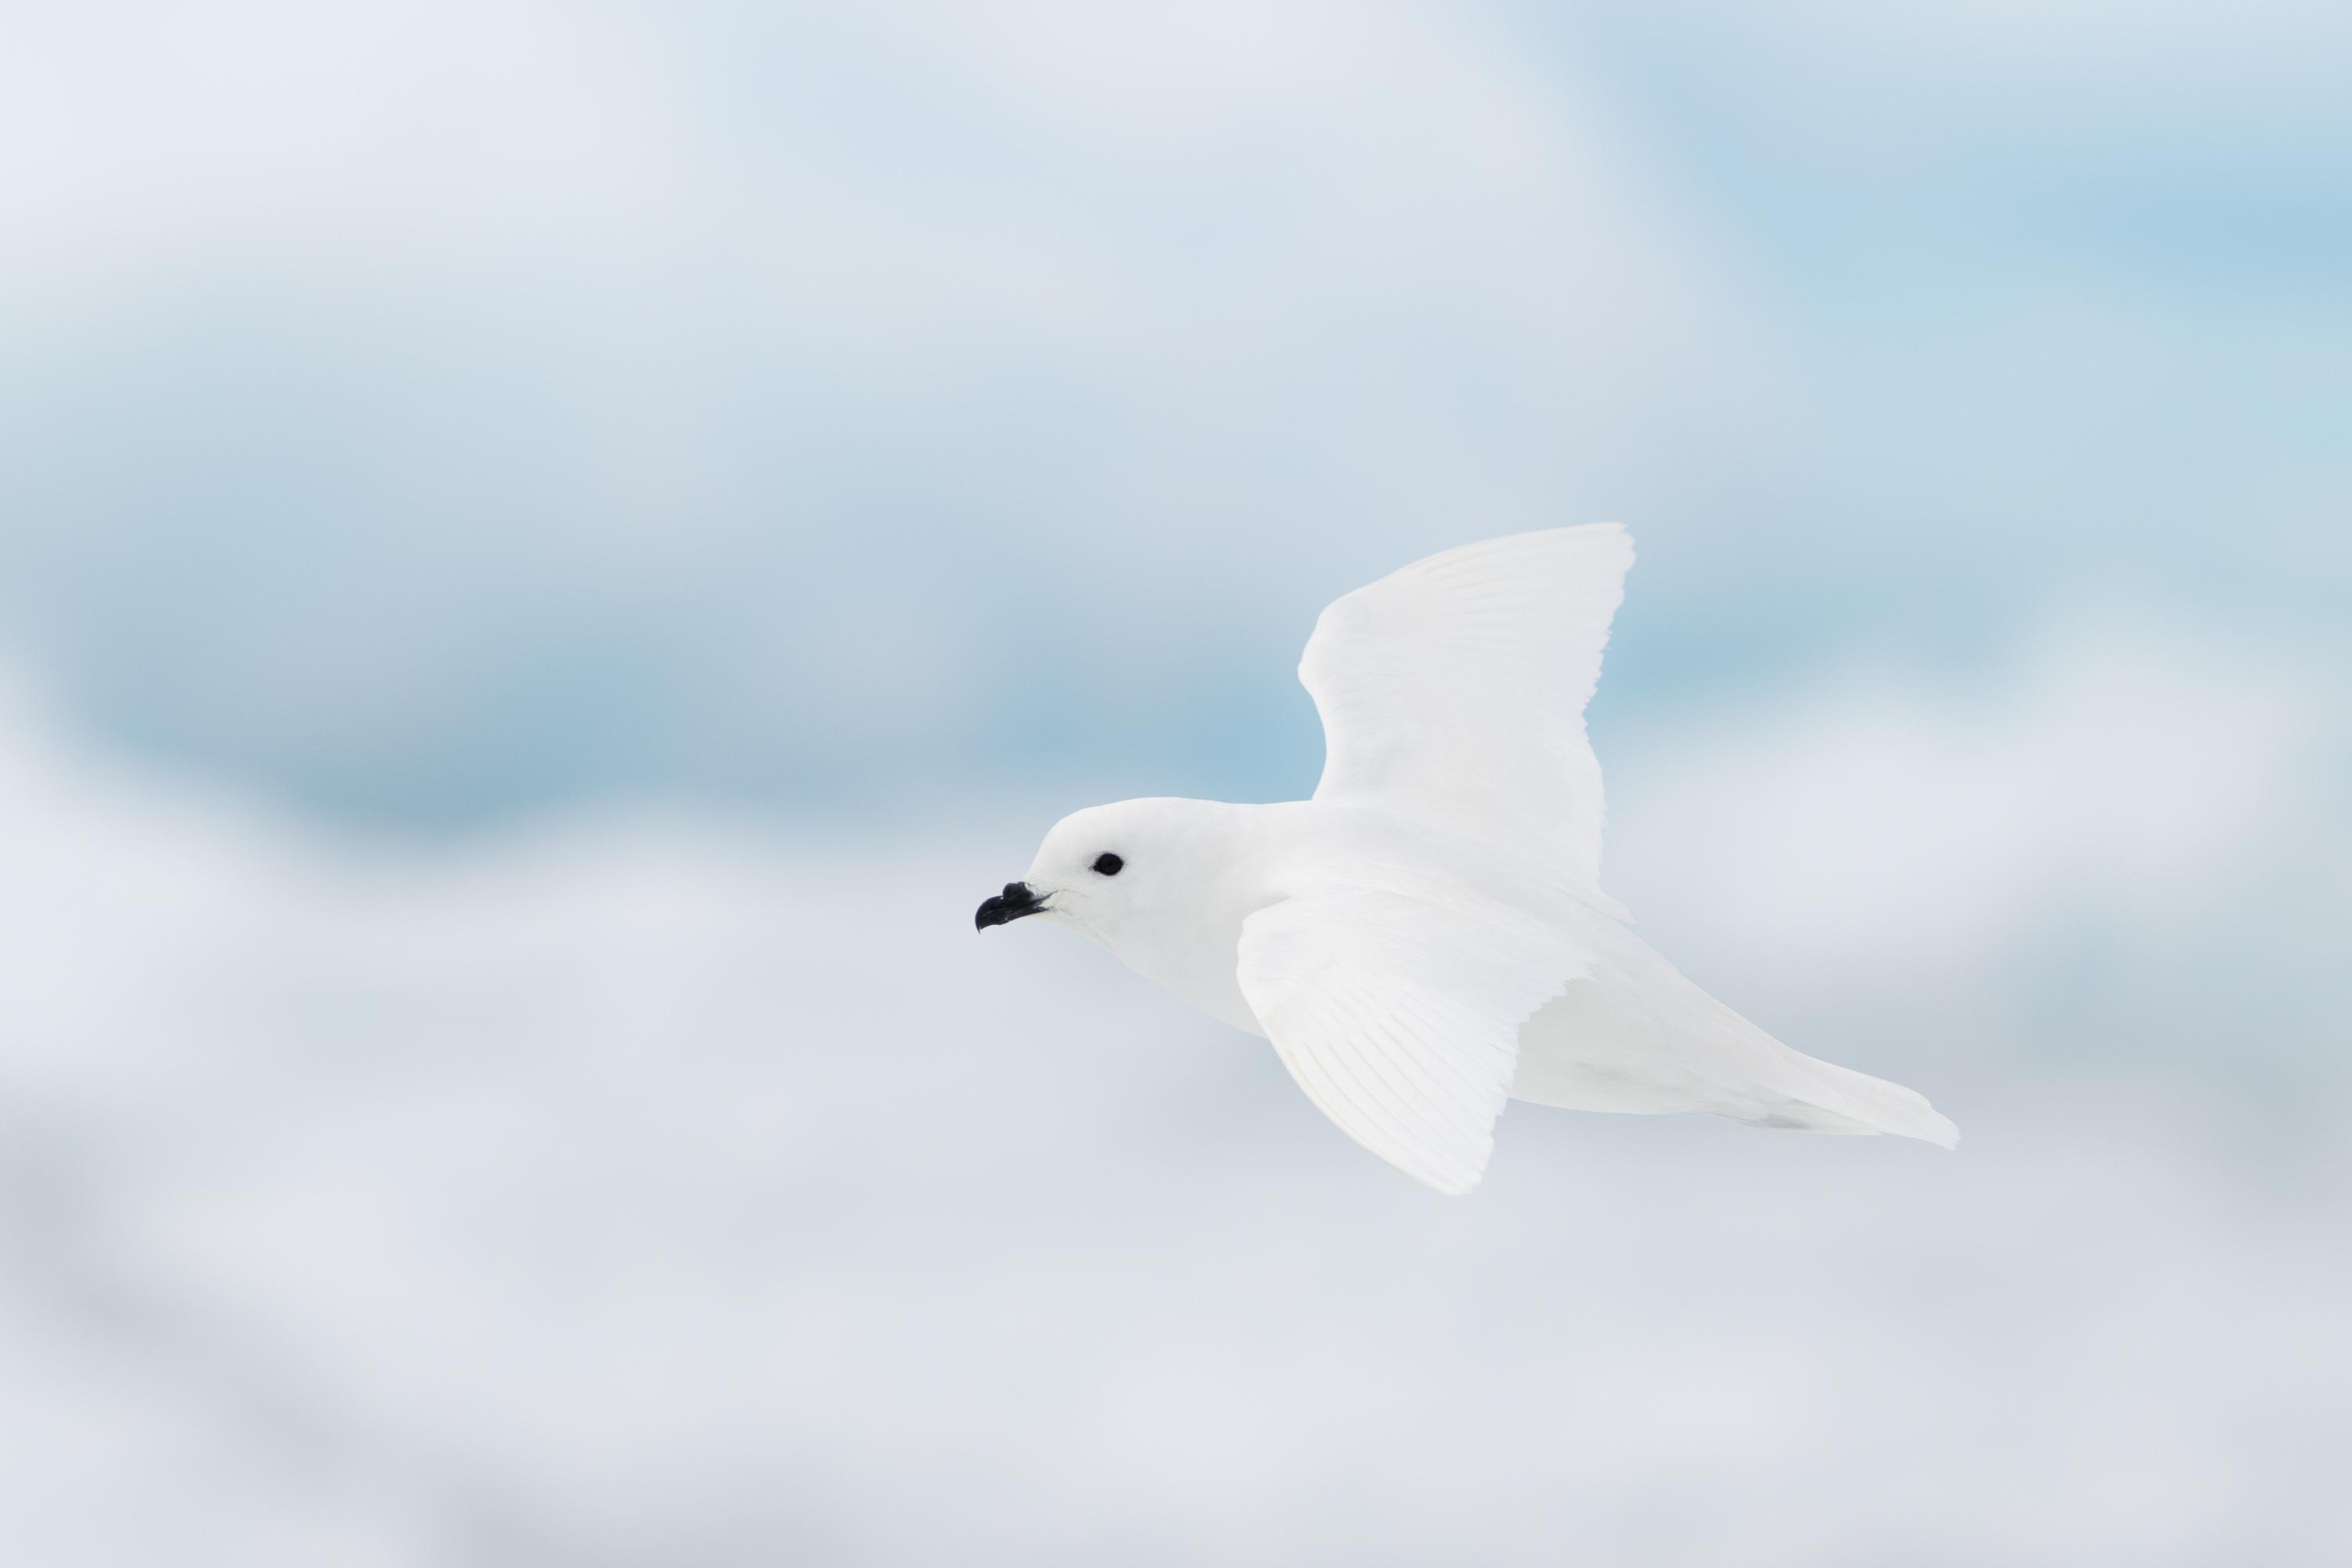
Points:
(1426, 937)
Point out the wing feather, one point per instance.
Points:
(1399, 1017)
(1454, 690)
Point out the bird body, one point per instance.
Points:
(1427, 937)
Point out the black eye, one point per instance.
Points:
(1108, 863)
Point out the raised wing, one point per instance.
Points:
(1454, 690)
(1399, 1017)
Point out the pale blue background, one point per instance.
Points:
(549, 555)
(425, 418)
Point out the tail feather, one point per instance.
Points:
(1635, 1036)
(1826, 1098)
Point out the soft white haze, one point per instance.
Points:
(646, 1191)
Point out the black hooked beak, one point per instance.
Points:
(1009, 905)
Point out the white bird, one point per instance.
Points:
(1427, 938)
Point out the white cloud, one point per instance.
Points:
(2138, 822)
(729, 365)
(665, 1190)
(1198, 197)
(2121, 770)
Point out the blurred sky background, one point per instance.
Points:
(549, 555)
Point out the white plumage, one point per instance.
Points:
(1427, 937)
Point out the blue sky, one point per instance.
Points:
(426, 415)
